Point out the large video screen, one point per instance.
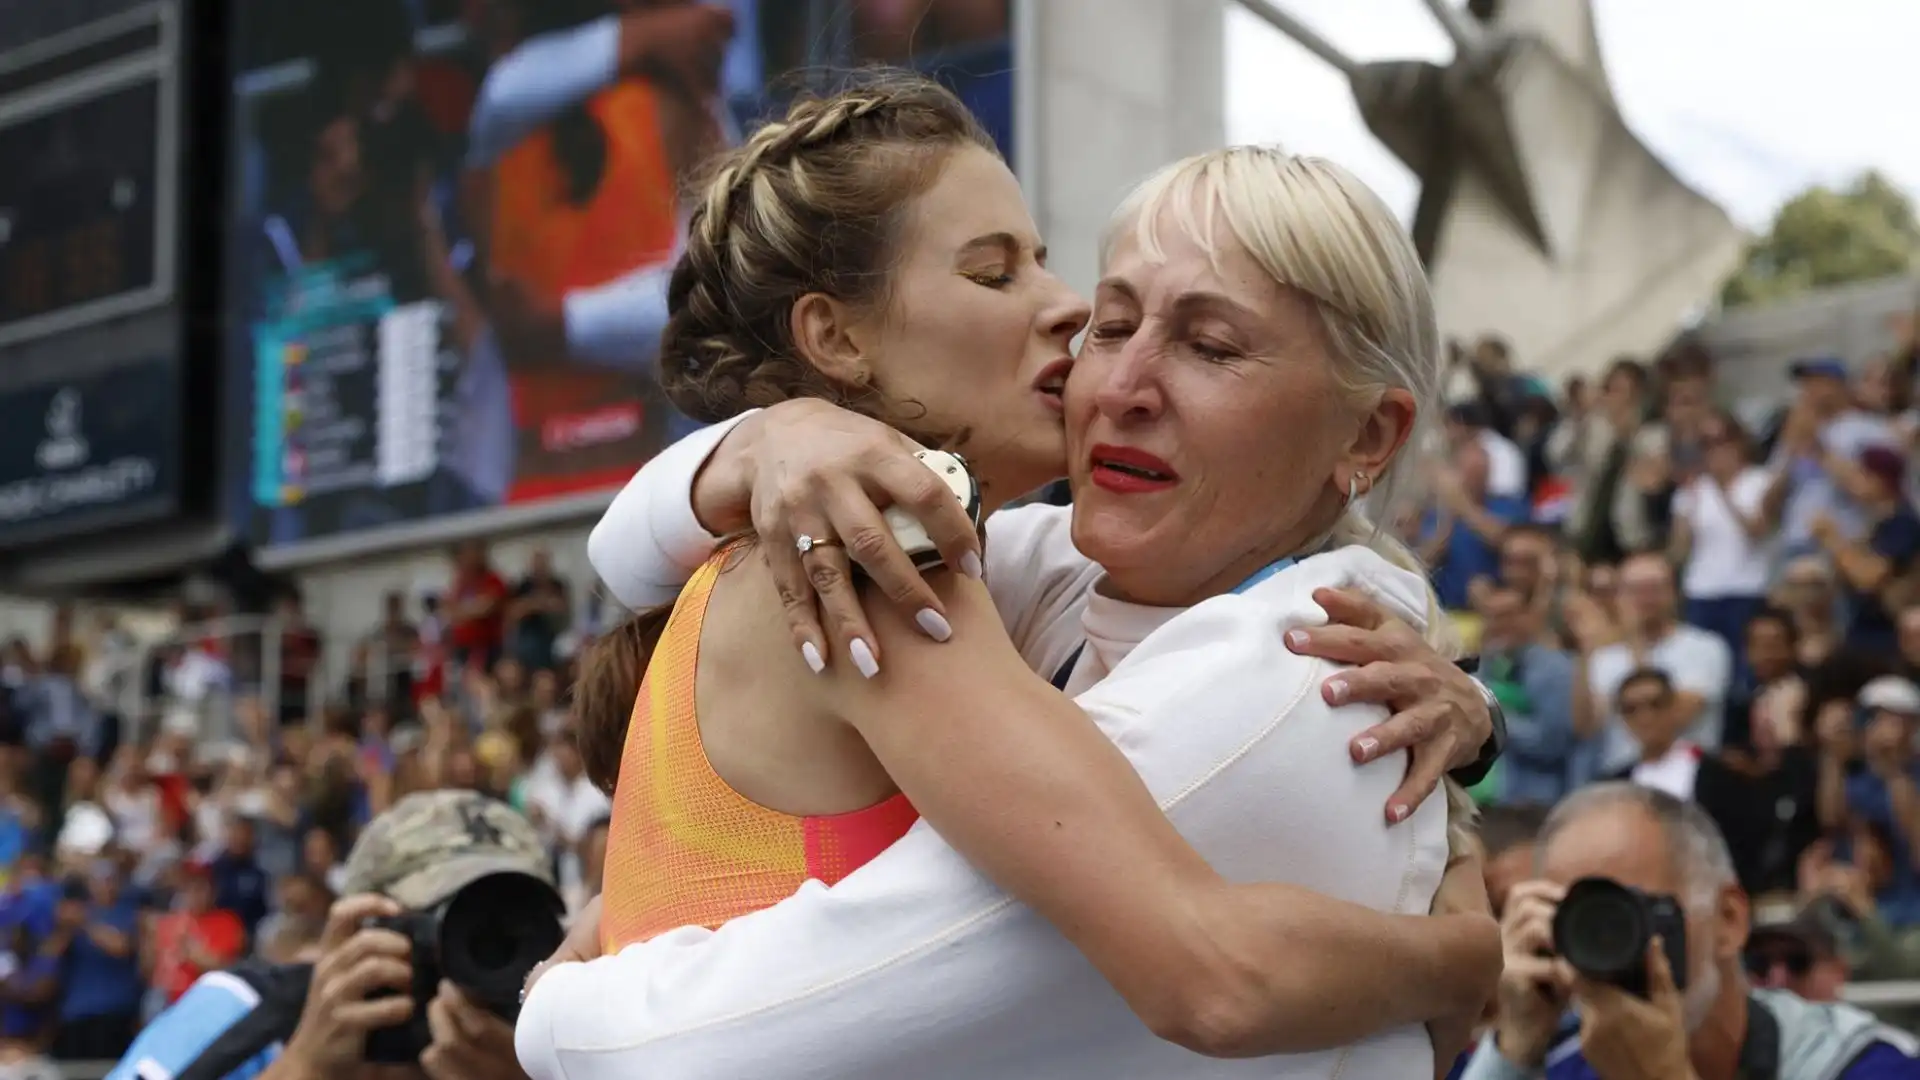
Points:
(456, 219)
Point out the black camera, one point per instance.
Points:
(484, 939)
(1602, 928)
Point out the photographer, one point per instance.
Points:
(1700, 1022)
(414, 871)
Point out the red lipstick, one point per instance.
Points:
(1124, 470)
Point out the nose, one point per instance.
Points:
(1064, 314)
(1128, 390)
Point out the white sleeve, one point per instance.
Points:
(917, 965)
(537, 81)
(649, 542)
(619, 324)
(1038, 581)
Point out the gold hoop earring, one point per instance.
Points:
(1355, 488)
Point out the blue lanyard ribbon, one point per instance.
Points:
(1264, 573)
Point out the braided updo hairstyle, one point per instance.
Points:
(812, 203)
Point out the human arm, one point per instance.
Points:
(806, 466)
(1229, 966)
(1030, 753)
(550, 73)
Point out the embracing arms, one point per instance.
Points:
(1016, 778)
(1012, 774)
(806, 466)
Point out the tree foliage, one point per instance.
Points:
(1824, 237)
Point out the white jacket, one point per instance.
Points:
(916, 965)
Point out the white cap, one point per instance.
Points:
(1891, 693)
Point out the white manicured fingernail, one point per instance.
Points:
(933, 624)
(863, 660)
(1337, 691)
(1368, 747)
(970, 566)
(812, 656)
(1296, 639)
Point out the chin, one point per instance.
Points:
(1105, 533)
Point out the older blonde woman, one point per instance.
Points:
(1262, 347)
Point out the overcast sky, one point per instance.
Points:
(1747, 100)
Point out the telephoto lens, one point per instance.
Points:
(1602, 928)
(484, 939)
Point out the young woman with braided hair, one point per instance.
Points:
(871, 251)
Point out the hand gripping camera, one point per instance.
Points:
(484, 939)
(1603, 929)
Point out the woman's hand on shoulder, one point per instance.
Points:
(1438, 711)
(811, 469)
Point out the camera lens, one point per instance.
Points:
(494, 932)
(1601, 929)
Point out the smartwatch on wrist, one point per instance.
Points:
(1471, 774)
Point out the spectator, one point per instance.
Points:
(194, 938)
(1880, 791)
(563, 804)
(300, 647)
(1653, 842)
(1720, 533)
(1772, 691)
(541, 610)
(1800, 956)
(1806, 591)
(476, 602)
(59, 723)
(1609, 518)
(1698, 663)
(1876, 570)
(1464, 534)
(320, 858)
(1822, 429)
(96, 934)
(239, 884)
(1535, 684)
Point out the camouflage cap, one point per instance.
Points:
(432, 844)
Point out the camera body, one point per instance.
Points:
(1602, 928)
(485, 939)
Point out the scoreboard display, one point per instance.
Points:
(96, 357)
(87, 130)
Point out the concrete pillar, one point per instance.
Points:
(1113, 90)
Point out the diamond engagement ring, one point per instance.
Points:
(804, 543)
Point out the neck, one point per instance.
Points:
(1166, 593)
(1715, 1047)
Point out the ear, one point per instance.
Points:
(1382, 432)
(826, 335)
(1736, 919)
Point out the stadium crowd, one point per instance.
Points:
(1657, 593)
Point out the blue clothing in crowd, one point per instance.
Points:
(1535, 686)
(1468, 554)
(98, 983)
(1868, 799)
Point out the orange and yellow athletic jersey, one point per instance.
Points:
(684, 848)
